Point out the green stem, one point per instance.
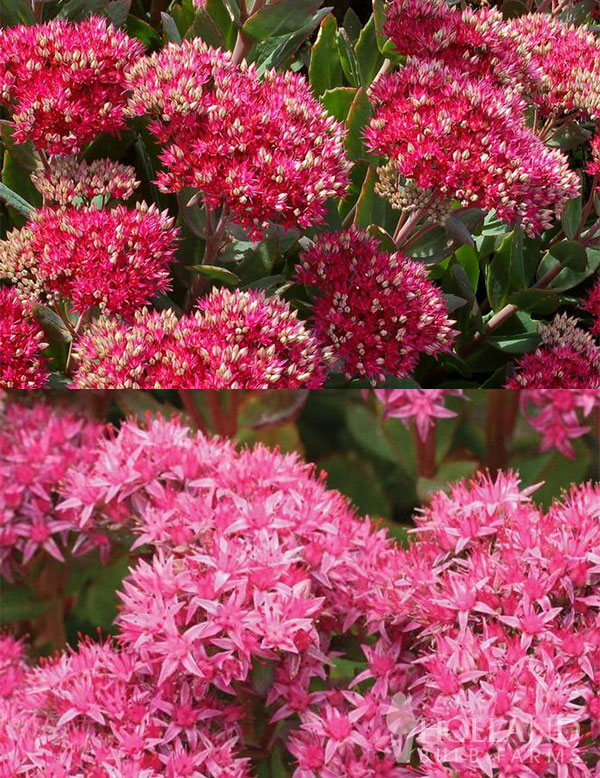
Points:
(212, 246)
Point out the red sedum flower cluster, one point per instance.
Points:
(568, 59)
(22, 365)
(478, 43)
(469, 122)
(264, 148)
(235, 340)
(568, 357)
(72, 182)
(591, 305)
(378, 311)
(465, 139)
(66, 82)
(115, 259)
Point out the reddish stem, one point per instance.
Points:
(504, 314)
(188, 402)
(425, 449)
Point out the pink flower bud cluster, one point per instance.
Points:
(466, 140)
(557, 414)
(255, 566)
(115, 260)
(97, 712)
(423, 406)
(22, 365)
(67, 181)
(591, 305)
(378, 311)
(478, 43)
(236, 340)
(262, 147)
(37, 447)
(569, 60)
(567, 358)
(65, 82)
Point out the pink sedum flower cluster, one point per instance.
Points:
(503, 597)
(236, 340)
(22, 364)
(568, 357)
(557, 414)
(378, 311)
(97, 711)
(423, 406)
(256, 582)
(465, 139)
(255, 565)
(115, 259)
(37, 447)
(65, 82)
(263, 148)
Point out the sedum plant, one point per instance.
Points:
(264, 628)
(270, 194)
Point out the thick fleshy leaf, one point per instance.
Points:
(170, 29)
(15, 201)
(216, 273)
(571, 217)
(358, 116)
(14, 12)
(348, 58)
(280, 17)
(368, 55)
(339, 101)
(570, 254)
(535, 301)
(325, 70)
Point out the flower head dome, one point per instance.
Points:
(475, 42)
(568, 58)
(591, 305)
(65, 81)
(114, 259)
(68, 181)
(567, 358)
(236, 340)
(262, 147)
(255, 341)
(466, 139)
(22, 365)
(149, 352)
(378, 311)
